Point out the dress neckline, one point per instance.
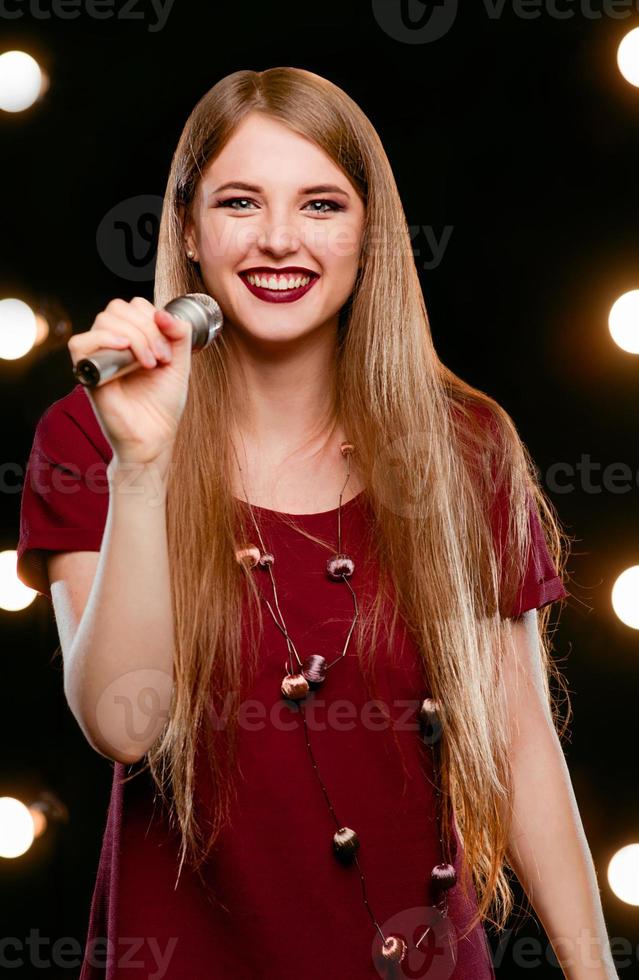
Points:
(317, 515)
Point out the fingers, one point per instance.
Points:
(125, 324)
(103, 338)
(172, 326)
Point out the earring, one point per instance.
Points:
(190, 253)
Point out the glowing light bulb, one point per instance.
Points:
(623, 322)
(628, 57)
(21, 81)
(16, 827)
(623, 874)
(625, 597)
(18, 329)
(14, 594)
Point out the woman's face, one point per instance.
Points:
(274, 207)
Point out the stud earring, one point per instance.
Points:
(190, 253)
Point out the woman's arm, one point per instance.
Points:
(118, 651)
(548, 849)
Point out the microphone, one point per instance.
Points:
(198, 309)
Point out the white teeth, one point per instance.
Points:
(279, 282)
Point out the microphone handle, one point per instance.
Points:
(200, 311)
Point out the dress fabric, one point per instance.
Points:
(274, 903)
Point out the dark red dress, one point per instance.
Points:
(285, 909)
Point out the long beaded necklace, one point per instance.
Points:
(306, 675)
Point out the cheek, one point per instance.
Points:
(344, 243)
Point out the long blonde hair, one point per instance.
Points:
(430, 450)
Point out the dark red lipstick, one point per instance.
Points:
(278, 295)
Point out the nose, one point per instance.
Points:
(278, 236)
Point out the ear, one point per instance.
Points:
(188, 235)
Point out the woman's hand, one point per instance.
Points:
(140, 411)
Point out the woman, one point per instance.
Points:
(287, 803)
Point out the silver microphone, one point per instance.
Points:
(198, 309)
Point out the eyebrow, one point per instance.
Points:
(317, 189)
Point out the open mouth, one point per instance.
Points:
(281, 288)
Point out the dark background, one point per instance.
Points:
(522, 138)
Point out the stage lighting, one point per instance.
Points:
(14, 594)
(22, 81)
(623, 874)
(623, 322)
(21, 824)
(628, 57)
(17, 828)
(18, 329)
(625, 597)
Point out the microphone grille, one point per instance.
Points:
(204, 314)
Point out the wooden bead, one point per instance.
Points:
(295, 687)
(443, 877)
(393, 949)
(428, 712)
(340, 566)
(430, 722)
(251, 555)
(314, 668)
(345, 844)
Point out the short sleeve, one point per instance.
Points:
(65, 494)
(541, 583)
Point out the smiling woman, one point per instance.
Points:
(322, 466)
(284, 217)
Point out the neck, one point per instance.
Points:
(284, 395)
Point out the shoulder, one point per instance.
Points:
(484, 435)
(70, 426)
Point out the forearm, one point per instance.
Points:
(118, 674)
(549, 853)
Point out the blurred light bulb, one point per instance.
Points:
(625, 597)
(628, 57)
(623, 874)
(18, 329)
(21, 81)
(16, 827)
(623, 321)
(14, 594)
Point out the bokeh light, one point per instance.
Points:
(623, 874)
(14, 594)
(628, 57)
(625, 597)
(21, 81)
(623, 321)
(18, 329)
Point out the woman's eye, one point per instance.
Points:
(325, 206)
(232, 200)
(332, 205)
